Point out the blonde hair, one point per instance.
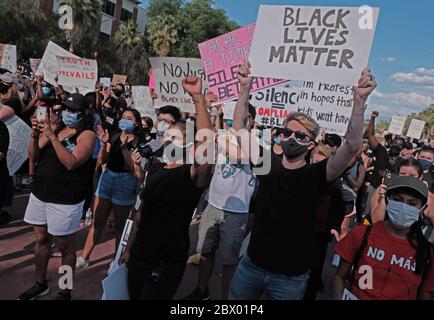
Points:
(306, 121)
(326, 152)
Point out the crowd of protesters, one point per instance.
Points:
(371, 195)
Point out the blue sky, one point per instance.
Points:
(402, 56)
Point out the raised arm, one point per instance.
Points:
(373, 142)
(338, 162)
(200, 173)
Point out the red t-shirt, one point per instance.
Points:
(392, 261)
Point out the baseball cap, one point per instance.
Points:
(408, 182)
(76, 101)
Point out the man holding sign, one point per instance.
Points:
(281, 250)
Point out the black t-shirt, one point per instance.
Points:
(116, 161)
(169, 200)
(282, 239)
(381, 163)
(4, 146)
(54, 183)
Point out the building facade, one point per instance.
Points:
(114, 13)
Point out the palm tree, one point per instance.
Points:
(162, 34)
(87, 18)
(127, 39)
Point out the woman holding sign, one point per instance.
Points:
(62, 148)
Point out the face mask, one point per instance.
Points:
(174, 152)
(277, 140)
(229, 123)
(162, 127)
(292, 149)
(70, 119)
(126, 126)
(46, 91)
(426, 165)
(401, 214)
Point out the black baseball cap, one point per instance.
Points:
(76, 101)
(407, 182)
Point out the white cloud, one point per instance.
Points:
(389, 59)
(425, 72)
(421, 76)
(412, 99)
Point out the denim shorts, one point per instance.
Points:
(120, 188)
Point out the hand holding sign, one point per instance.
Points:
(193, 85)
(366, 85)
(243, 74)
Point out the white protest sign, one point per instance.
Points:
(123, 244)
(330, 44)
(142, 100)
(416, 129)
(19, 137)
(169, 73)
(397, 124)
(330, 105)
(77, 72)
(34, 64)
(105, 82)
(273, 105)
(8, 57)
(49, 66)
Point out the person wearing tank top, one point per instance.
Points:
(117, 187)
(62, 147)
(158, 245)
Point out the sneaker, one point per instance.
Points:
(198, 294)
(38, 290)
(81, 263)
(63, 296)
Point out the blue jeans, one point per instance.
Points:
(251, 281)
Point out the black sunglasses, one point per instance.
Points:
(299, 135)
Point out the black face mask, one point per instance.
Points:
(117, 92)
(292, 149)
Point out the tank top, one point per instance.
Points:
(54, 183)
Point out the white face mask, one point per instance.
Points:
(162, 127)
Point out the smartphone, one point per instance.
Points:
(41, 114)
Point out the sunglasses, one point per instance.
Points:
(299, 135)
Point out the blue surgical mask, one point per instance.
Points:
(277, 140)
(401, 214)
(229, 123)
(426, 165)
(126, 126)
(46, 90)
(70, 119)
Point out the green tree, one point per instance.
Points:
(127, 40)
(86, 15)
(200, 21)
(162, 34)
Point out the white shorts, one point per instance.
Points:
(61, 219)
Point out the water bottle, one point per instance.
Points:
(88, 220)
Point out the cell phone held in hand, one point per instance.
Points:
(41, 113)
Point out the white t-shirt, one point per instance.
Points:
(232, 187)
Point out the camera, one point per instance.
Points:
(145, 150)
(149, 150)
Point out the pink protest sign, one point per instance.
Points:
(151, 80)
(221, 57)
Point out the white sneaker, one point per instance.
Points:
(81, 263)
